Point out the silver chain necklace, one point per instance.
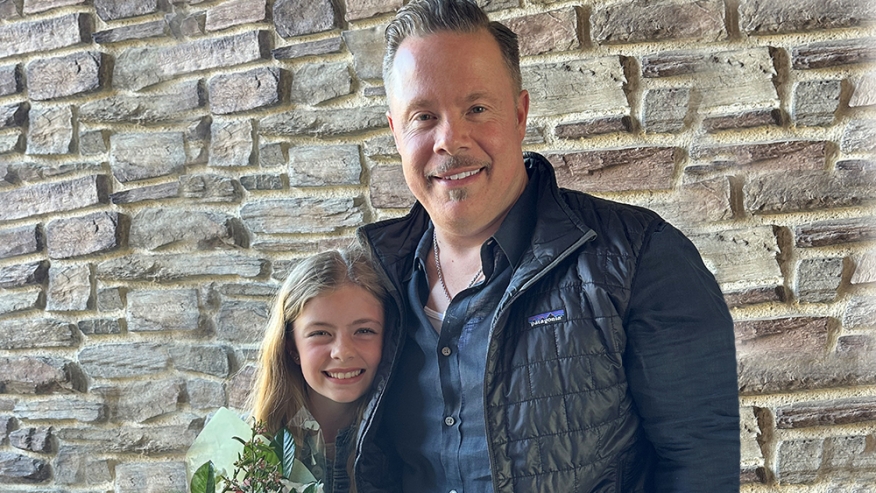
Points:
(441, 276)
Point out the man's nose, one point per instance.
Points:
(452, 135)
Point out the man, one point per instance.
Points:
(549, 341)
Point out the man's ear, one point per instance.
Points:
(522, 112)
(392, 127)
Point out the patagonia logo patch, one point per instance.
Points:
(547, 318)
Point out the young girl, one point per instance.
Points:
(319, 357)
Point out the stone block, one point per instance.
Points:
(301, 215)
(324, 122)
(381, 146)
(741, 256)
(794, 191)
(865, 269)
(169, 103)
(49, 78)
(240, 386)
(69, 288)
(363, 9)
(13, 115)
(209, 188)
(158, 228)
(10, 9)
(300, 17)
(138, 359)
(44, 35)
(864, 91)
(10, 79)
(743, 119)
(797, 461)
(367, 47)
(92, 142)
(231, 143)
(109, 10)
(109, 299)
(147, 440)
(545, 32)
(241, 322)
(826, 413)
(389, 188)
(207, 359)
(27, 274)
(184, 25)
(138, 477)
(242, 91)
(319, 166)
(665, 110)
(42, 171)
(149, 192)
(21, 300)
(37, 334)
(17, 468)
(834, 232)
(11, 143)
(754, 296)
(860, 312)
(859, 136)
(815, 102)
(20, 241)
(83, 235)
(851, 458)
(205, 394)
(749, 431)
(99, 326)
(70, 465)
(591, 85)
(635, 168)
(145, 30)
(315, 83)
(36, 6)
(272, 155)
(140, 401)
(701, 201)
(136, 68)
(50, 130)
(856, 346)
(818, 279)
(833, 53)
(141, 155)
(151, 310)
(56, 409)
(761, 17)
(642, 20)
(32, 439)
(235, 12)
(782, 337)
(262, 182)
(39, 375)
(172, 267)
(309, 48)
(596, 126)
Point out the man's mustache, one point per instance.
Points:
(453, 163)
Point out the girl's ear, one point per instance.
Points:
(292, 352)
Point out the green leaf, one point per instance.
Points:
(204, 480)
(311, 488)
(284, 447)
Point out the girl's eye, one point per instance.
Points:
(317, 333)
(366, 330)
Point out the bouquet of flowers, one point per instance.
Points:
(231, 456)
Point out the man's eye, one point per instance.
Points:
(478, 109)
(422, 117)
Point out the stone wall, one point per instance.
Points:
(164, 163)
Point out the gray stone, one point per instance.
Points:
(363, 9)
(815, 102)
(50, 130)
(301, 215)
(859, 136)
(39, 375)
(826, 412)
(700, 201)
(235, 12)
(315, 83)
(136, 68)
(146, 30)
(70, 465)
(546, 32)
(636, 168)
(92, 142)
(123, 360)
(27, 274)
(211, 360)
(149, 192)
(591, 85)
(271, 155)
(140, 401)
(149, 440)
(100, 326)
(381, 146)
(52, 197)
(860, 312)
(647, 20)
(595, 126)
(797, 461)
(242, 91)
(262, 182)
(139, 477)
(158, 228)
(197, 137)
(298, 17)
(749, 430)
(43, 35)
(37, 171)
(20, 241)
(231, 143)
(374, 91)
(835, 231)
(10, 79)
(833, 53)
(109, 10)
(240, 386)
(367, 47)
(137, 156)
(258, 289)
(791, 155)
(69, 288)
(98, 471)
(765, 17)
(39, 333)
(68, 407)
(209, 188)
(665, 110)
(782, 338)
(10, 9)
(109, 299)
(166, 104)
(865, 269)
(17, 468)
(318, 123)
(319, 166)
(49, 78)
(187, 26)
(807, 190)
(33, 439)
(13, 115)
(310, 48)
(83, 235)
(242, 322)
(20, 301)
(864, 93)
(36, 6)
(389, 188)
(11, 143)
(205, 394)
(743, 119)
(744, 256)
(818, 279)
(163, 310)
(171, 267)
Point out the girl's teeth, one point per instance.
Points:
(349, 374)
(462, 175)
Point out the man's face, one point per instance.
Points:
(458, 123)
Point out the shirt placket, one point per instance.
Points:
(451, 388)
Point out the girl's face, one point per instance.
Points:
(339, 338)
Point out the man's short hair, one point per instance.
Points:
(423, 17)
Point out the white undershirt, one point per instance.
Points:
(436, 318)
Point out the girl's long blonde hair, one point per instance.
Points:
(280, 389)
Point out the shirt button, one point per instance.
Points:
(449, 421)
(445, 351)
